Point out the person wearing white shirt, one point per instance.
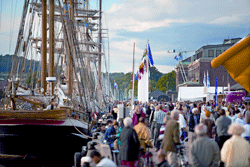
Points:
(203, 116)
(246, 134)
(101, 161)
(182, 122)
(240, 119)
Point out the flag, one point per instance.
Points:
(150, 56)
(136, 75)
(144, 53)
(66, 9)
(208, 81)
(205, 80)
(179, 56)
(176, 58)
(216, 89)
(115, 85)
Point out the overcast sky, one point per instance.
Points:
(183, 25)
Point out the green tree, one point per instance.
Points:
(167, 82)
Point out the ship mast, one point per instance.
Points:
(100, 54)
(51, 42)
(70, 65)
(44, 47)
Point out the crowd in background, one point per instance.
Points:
(220, 135)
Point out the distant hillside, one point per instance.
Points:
(6, 63)
(155, 75)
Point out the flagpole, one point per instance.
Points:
(147, 67)
(133, 79)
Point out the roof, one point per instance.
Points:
(235, 87)
(188, 83)
(156, 93)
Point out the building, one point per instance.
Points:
(200, 63)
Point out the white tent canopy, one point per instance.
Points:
(195, 93)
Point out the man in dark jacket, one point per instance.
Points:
(130, 144)
(222, 125)
(194, 119)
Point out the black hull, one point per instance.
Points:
(40, 145)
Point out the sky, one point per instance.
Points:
(183, 25)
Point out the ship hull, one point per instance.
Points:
(41, 145)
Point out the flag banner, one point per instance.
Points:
(144, 53)
(179, 56)
(205, 80)
(66, 13)
(216, 89)
(176, 58)
(136, 75)
(150, 57)
(115, 85)
(208, 81)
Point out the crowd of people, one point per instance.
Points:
(219, 135)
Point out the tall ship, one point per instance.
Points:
(56, 82)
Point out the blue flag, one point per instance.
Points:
(150, 56)
(136, 75)
(176, 58)
(205, 80)
(208, 81)
(216, 89)
(179, 56)
(115, 85)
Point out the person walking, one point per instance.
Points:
(204, 152)
(222, 125)
(194, 119)
(137, 114)
(232, 115)
(158, 118)
(236, 150)
(209, 123)
(152, 122)
(143, 133)
(129, 150)
(246, 134)
(172, 138)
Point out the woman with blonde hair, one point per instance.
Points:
(236, 150)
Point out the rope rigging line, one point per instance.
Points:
(1, 9)
(71, 51)
(11, 11)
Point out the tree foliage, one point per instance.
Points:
(167, 82)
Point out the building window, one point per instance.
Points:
(218, 52)
(199, 55)
(210, 53)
